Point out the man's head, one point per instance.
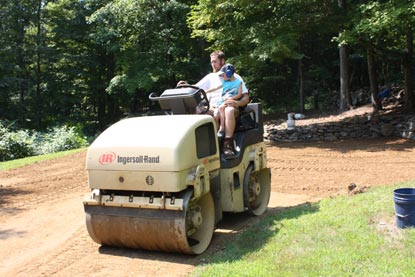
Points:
(217, 60)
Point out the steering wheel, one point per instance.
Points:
(203, 106)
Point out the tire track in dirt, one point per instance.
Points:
(34, 232)
(46, 182)
(75, 248)
(327, 168)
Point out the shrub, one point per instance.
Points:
(24, 143)
(15, 145)
(59, 139)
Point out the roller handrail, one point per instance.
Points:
(154, 97)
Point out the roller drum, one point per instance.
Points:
(188, 231)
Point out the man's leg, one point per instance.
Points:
(222, 118)
(216, 116)
(230, 120)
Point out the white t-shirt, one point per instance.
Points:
(213, 80)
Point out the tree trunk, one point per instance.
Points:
(301, 84)
(20, 36)
(38, 73)
(106, 105)
(344, 69)
(21, 81)
(101, 107)
(374, 88)
(408, 72)
(112, 105)
(342, 4)
(344, 78)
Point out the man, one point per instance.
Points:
(232, 110)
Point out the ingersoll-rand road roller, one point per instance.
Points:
(160, 182)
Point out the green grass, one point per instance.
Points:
(343, 236)
(30, 160)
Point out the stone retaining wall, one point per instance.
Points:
(353, 127)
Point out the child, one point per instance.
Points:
(231, 90)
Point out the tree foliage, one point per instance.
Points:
(266, 38)
(386, 29)
(93, 62)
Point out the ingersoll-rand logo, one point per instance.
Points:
(107, 158)
(111, 157)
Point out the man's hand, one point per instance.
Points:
(231, 103)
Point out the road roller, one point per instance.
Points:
(161, 183)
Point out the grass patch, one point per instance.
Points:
(34, 159)
(344, 236)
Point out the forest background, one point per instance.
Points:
(88, 63)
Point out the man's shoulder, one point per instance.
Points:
(210, 80)
(212, 74)
(213, 77)
(238, 79)
(237, 76)
(244, 88)
(236, 82)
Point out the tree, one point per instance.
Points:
(264, 37)
(77, 67)
(16, 80)
(344, 69)
(92, 62)
(385, 27)
(150, 42)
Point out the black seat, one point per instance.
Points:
(249, 130)
(246, 120)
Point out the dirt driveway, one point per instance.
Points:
(42, 224)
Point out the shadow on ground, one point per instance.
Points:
(6, 196)
(229, 241)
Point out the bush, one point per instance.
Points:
(24, 143)
(15, 145)
(59, 139)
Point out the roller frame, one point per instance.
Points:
(178, 210)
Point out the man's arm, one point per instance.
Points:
(238, 103)
(204, 83)
(244, 100)
(213, 89)
(238, 95)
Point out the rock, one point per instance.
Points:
(387, 130)
(374, 129)
(411, 127)
(358, 189)
(330, 137)
(358, 127)
(351, 187)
